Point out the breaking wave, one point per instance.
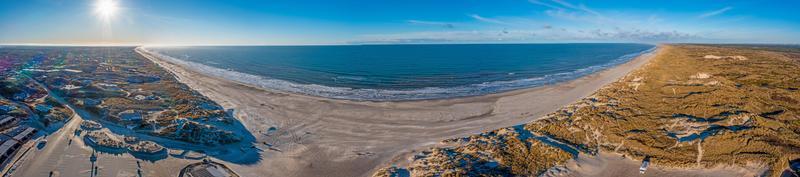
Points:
(395, 94)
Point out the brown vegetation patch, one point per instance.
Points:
(747, 115)
(691, 106)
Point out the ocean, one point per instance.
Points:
(402, 72)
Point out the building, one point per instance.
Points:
(20, 96)
(43, 108)
(207, 168)
(88, 102)
(6, 108)
(6, 120)
(211, 171)
(25, 135)
(71, 87)
(7, 149)
(139, 97)
(142, 79)
(130, 115)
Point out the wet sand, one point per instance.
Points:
(313, 136)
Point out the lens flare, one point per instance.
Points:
(105, 8)
(105, 11)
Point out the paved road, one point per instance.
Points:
(72, 159)
(69, 159)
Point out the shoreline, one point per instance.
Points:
(400, 94)
(340, 137)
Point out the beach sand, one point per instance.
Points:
(614, 164)
(312, 136)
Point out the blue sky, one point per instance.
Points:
(297, 22)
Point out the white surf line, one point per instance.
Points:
(371, 94)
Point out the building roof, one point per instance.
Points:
(5, 119)
(130, 115)
(210, 171)
(6, 146)
(15, 131)
(27, 132)
(5, 107)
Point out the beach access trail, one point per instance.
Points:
(311, 136)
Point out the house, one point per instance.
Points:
(25, 135)
(210, 171)
(7, 149)
(71, 87)
(140, 97)
(143, 79)
(43, 108)
(130, 115)
(6, 120)
(85, 82)
(6, 108)
(88, 102)
(109, 87)
(21, 96)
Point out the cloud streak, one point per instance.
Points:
(574, 12)
(715, 13)
(487, 20)
(542, 35)
(537, 2)
(564, 6)
(579, 7)
(432, 23)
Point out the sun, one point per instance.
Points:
(105, 8)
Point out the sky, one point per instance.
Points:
(311, 22)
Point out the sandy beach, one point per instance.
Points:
(359, 88)
(312, 135)
(614, 164)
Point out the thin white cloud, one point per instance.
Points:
(715, 13)
(545, 4)
(574, 12)
(564, 6)
(432, 23)
(583, 17)
(562, 34)
(487, 20)
(579, 7)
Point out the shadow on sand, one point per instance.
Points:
(242, 152)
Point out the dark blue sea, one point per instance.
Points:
(403, 72)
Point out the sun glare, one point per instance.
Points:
(105, 8)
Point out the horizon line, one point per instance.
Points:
(357, 44)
